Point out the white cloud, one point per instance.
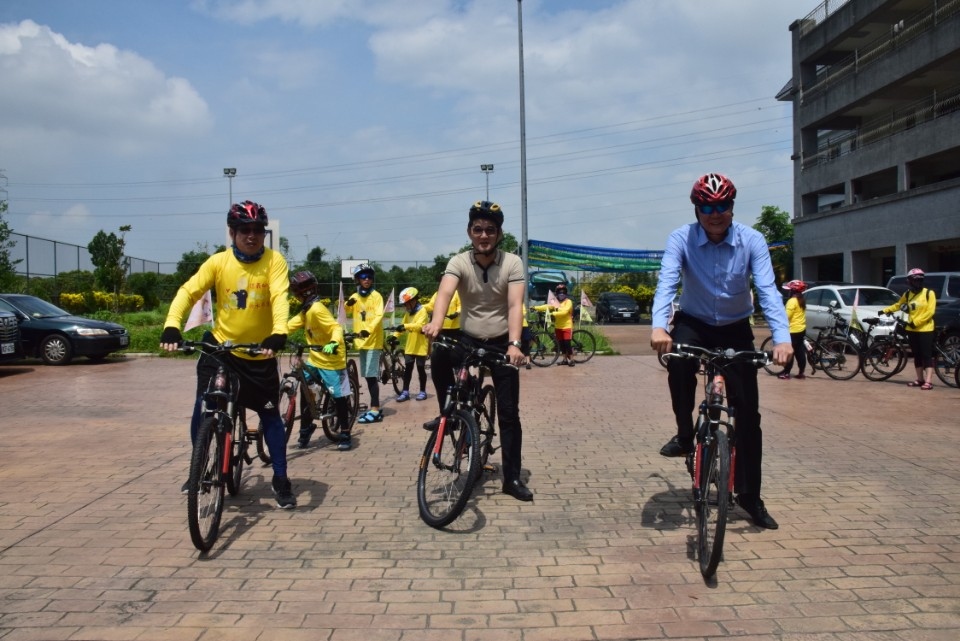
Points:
(69, 91)
(313, 13)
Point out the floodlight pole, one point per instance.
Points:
(524, 241)
(487, 170)
(230, 172)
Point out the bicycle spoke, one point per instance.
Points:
(447, 473)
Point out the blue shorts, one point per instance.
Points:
(369, 363)
(335, 380)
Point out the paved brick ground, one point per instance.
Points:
(93, 540)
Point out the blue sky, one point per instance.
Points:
(361, 125)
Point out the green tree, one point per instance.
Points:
(8, 273)
(509, 244)
(776, 227)
(190, 261)
(106, 253)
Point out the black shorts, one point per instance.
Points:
(259, 380)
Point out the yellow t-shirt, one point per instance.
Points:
(320, 328)
(368, 315)
(417, 343)
(796, 316)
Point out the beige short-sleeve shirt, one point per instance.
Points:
(483, 292)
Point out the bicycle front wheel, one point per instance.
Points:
(205, 485)
(396, 374)
(881, 360)
(328, 417)
(448, 470)
(543, 350)
(772, 368)
(584, 345)
(713, 503)
(947, 356)
(353, 373)
(289, 389)
(839, 358)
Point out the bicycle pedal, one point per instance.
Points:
(489, 468)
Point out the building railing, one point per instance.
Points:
(937, 105)
(820, 14)
(900, 33)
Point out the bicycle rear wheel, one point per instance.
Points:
(205, 485)
(881, 360)
(486, 414)
(584, 345)
(238, 454)
(447, 472)
(543, 350)
(328, 417)
(713, 503)
(772, 369)
(839, 358)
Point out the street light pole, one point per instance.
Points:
(230, 172)
(524, 242)
(487, 170)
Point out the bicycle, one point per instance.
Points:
(458, 449)
(545, 349)
(321, 408)
(711, 465)
(392, 365)
(886, 355)
(831, 351)
(219, 451)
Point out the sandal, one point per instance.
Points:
(927, 386)
(915, 384)
(371, 417)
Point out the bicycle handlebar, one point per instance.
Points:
(189, 347)
(720, 355)
(474, 355)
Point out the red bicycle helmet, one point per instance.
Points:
(712, 188)
(795, 286)
(304, 285)
(560, 288)
(246, 213)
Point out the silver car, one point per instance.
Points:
(869, 301)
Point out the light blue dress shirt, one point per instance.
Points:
(716, 279)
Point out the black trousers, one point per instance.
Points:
(742, 389)
(506, 381)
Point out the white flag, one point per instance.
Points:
(202, 312)
(341, 309)
(584, 300)
(390, 306)
(552, 299)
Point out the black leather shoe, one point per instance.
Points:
(517, 490)
(677, 447)
(758, 513)
(431, 426)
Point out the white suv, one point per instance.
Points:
(869, 300)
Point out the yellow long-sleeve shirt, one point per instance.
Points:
(320, 328)
(368, 315)
(562, 315)
(796, 316)
(251, 298)
(417, 342)
(921, 306)
(453, 308)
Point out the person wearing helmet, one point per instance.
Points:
(451, 321)
(716, 259)
(562, 314)
(415, 349)
(491, 284)
(326, 366)
(250, 287)
(796, 309)
(367, 309)
(919, 304)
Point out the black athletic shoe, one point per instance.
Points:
(284, 492)
(677, 447)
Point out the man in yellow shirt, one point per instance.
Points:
(250, 285)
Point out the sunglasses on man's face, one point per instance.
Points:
(251, 230)
(716, 208)
(484, 231)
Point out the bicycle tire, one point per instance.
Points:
(238, 454)
(946, 357)
(486, 417)
(713, 503)
(353, 373)
(543, 350)
(445, 481)
(384, 368)
(396, 374)
(584, 345)
(205, 485)
(882, 360)
(328, 417)
(772, 368)
(839, 358)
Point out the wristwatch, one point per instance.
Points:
(516, 344)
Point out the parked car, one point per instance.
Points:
(870, 300)
(10, 349)
(617, 306)
(944, 285)
(56, 336)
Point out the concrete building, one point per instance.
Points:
(876, 139)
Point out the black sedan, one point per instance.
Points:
(617, 306)
(56, 336)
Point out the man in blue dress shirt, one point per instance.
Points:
(715, 259)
